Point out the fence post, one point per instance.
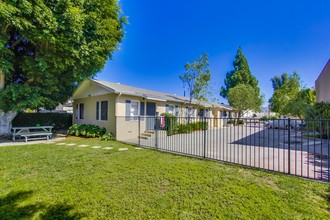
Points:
(289, 145)
(203, 127)
(139, 130)
(156, 130)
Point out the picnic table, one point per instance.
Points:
(32, 132)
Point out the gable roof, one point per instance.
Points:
(153, 95)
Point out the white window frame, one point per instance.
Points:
(100, 110)
(83, 115)
(168, 109)
(189, 111)
(134, 117)
(137, 110)
(78, 111)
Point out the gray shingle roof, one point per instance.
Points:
(154, 95)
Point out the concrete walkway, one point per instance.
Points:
(7, 143)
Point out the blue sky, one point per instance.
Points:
(276, 37)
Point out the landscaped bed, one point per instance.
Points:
(71, 182)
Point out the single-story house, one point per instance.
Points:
(117, 107)
(322, 85)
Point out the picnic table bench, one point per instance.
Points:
(33, 132)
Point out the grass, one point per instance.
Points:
(61, 182)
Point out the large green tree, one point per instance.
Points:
(241, 74)
(284, 93)
(196, 80)
(244, 98)
(279, 81)
(302, 103)
(48, 46)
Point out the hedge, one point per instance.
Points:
(60, 121)
(86, 130)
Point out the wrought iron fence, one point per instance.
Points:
(291, 146)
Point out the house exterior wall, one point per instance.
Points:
(322, 85)
(90, 111)
(126, 128)
(130, 129)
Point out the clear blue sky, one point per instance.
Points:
(276, 37)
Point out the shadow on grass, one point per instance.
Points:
(11, 208)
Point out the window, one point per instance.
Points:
(102, 110)
(81, 110)
(170, 109)
(204, 113)
(142, 107)
(190, 112)
(77, 111)
(132, 110)
(176, 111)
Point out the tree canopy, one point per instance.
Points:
(301, 104)
(241, 74)
(48, 46)
(196, 79)
(244, 97)
(279, 81)
(284, 93)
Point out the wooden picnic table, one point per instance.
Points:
(32, 131)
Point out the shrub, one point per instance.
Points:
(200, 125)
(187, 128)
(108, 137)
(184, 129)
(170, 123)
(87, 131)
(267, 118)
(317, 112)
(240, 122)
(60, 121)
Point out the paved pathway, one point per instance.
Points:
(94, 147)
(7, 143)
(54, 140)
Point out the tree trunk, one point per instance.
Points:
(2, 81)
(6, 119)
(238, 117)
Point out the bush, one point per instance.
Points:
(108, 137)
(240, 122)
(170, 123)
(187, 128)
(317, 112)
(60, 121)
(88, 131)
(200, 125)
(267, 118)
(184, 129)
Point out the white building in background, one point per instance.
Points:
(265, 111)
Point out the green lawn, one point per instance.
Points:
(61, 182)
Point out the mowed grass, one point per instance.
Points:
(68, 182)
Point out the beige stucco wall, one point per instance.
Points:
(129, 129)
(322, 86)
(126, 129)
(90, 111)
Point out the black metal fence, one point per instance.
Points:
(290, 146)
